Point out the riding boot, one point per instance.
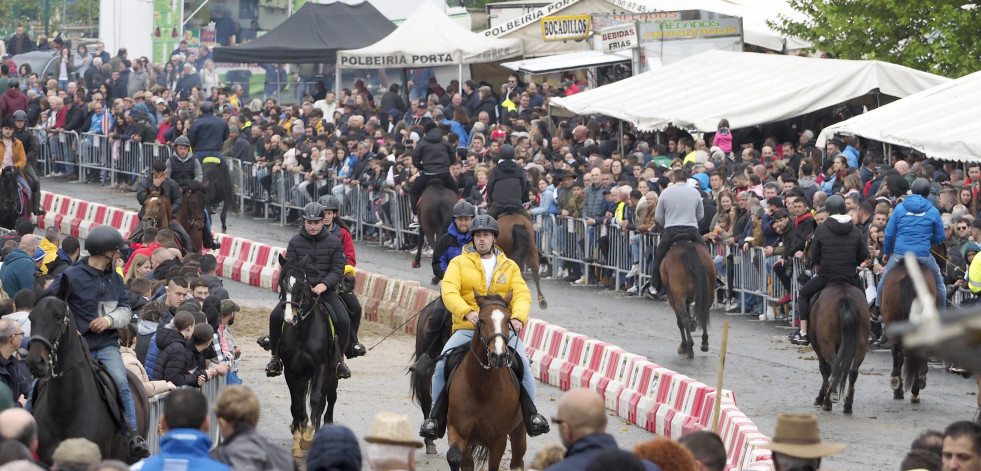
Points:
(341, 371)
(275, 366)
(138, 449)
(535, 423)
(435, 425)
(355, 348)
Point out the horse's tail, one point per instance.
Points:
(522, 241)
(851, 328)
(907, 294)
(700, 284)
(914, 362)
(480, 454)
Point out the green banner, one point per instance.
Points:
(166, 28)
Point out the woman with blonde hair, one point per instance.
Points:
(139, 268)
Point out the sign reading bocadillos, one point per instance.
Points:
(563, 28)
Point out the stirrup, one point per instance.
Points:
(429, 429)
(138, 448)
(274, 368)
(342, 371)
(538, 425)
(264, 343)
(357, 350)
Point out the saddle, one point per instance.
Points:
(109, 392)
(510, 209)
(684, 237)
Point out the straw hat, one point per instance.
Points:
(797, 435)
(392, 429)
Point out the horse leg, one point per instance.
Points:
(496, 452)
(683, 348)
(298, 409)
(519, 445)
(534, 264)
(705, 339)
(454, 457)
(914, 381)
(224, 214)
(316, 407)
(850, 395)
(822, 400)
(330, 397)
(896, 378)
(419, 243)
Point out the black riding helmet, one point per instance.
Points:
(313, 212)
(464, 209)
(506, 152)
(484, 223)
(103, 239)
(19, 115)
(330, 203)
(835, 205)
(920, 187)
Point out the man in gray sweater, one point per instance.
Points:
(678, 211)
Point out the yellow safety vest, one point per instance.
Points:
(974, 275)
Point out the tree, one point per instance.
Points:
(937, 36)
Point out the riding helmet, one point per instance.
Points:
(506, 152)
(313, 211)
(207, 107)
(19, 115)
(464, 209)
(102, 239)
(330, 203)
(13, 83)
(484, 223)
(182, 141)
(835, 205)
(920, 187)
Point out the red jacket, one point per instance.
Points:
(346, 243)
(11, 101)
(145, 250)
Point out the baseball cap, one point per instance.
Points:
(414, 137)
(39, 254)
(498, 133)
(159, 100)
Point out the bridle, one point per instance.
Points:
(298, 304)
(487, 340)
(53, 347)
(200, 200)
(151, 217)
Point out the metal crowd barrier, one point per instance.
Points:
(211, 389)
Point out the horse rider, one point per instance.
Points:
(100, 306)
(507, 186)
(159, 183)
(914, 226)
(183, 169)
(837, 249)
(678, 211)
(207, 134)
(447, 248)
(325, 268)
(432, 156)
(334, 225)
(31, 148)
(483, 267)
(13, 154)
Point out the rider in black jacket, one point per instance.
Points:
(432, 156)
(507, 186)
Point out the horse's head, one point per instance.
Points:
(51, 324)
(154, 208)
(493, 327)
(194, 202)
(294, 290)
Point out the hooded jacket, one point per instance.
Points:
(96, 294)
(915, 224)
(465, 274)
(11, 101)
(347, 244)
(174, 362)
(507, 185)
(60, 263)
(327, 259)
(17, 272)
(432, 154)
(448, 247)
(838, 248)
(208, 133)
(247, 450)
(182, 449)
(50, 253)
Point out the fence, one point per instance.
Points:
(210, 389)
(599, 253)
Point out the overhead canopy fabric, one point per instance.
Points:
(572, 60)
(313, 34)
(746, 88)
(940, 122)
(754, 14)
(429, 38)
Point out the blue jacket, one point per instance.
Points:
(578, 456)
(96, 294)
(546, 204)
(458, 128)
(151, 355)
(182, 449)
(851, 154)
(453, 250)
(17, 272)
(915, 224)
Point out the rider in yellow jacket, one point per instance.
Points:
(974, 275)
(468, 272)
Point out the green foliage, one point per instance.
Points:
(937, 36)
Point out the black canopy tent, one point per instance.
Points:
(313, 34)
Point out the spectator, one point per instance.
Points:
(18, 424)
(173, 362)
(391, 444)
(18, 268)
(209, 267)
(20, 42)
(185, 443)
(23, 303)
(707, 449)
(109, 465)
(242, 446)
(334, 448)
(667, 454)
(226, 341)
(919, 459)
(66, 256)
(797, 444)
(127, 344)
(962, 447)
(547, 456)
(13, 370)
(615, 458)
(75, 454)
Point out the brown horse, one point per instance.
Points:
(421, 383)
(483, 408)
(435, 215)
(191, 215)
(839, 326)
(909, 368)
(687, 273)
(156, 211)
(517, 240)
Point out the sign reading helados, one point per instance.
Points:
(618, 38)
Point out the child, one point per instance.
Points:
(575, 203)
(723, 137)
(174, 362)
(127, 342)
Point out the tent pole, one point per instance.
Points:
(621, 138)
(337, 81)
(460, 76)
(405, 86)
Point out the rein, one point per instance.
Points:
(487, 340)
(53, 347)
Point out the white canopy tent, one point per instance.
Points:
(939, 122)
(572, 60)
(746, 88)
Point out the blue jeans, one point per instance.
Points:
(110, 357)
(929, 262)
(463, 337)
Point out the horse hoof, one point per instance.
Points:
(307, 439)
(297, 452)
(705, 347)
(826, 407)
(833, 397)
(415, 264)
(914, 398)
(819, 401)
(895, 382)
(921, 382)
(897, 394)
(682, 350)
(690, 355)
(542, 304)
(847, 410)
(430, 449)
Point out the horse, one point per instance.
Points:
(421, 382)
(517, 240)
(191, 215)
(156, 211)
(909, 368)
(308, 354)
(67, 398)
(688, 275)
(13, 201)
(218, 187)
(484, 410)
(435, 215)
(839, 327)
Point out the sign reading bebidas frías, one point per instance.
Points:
(618, 38)
(564, 28)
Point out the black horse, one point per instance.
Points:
(435, 215)
(12, 200)
(307, 349)
(67, 399)
(218, 189)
